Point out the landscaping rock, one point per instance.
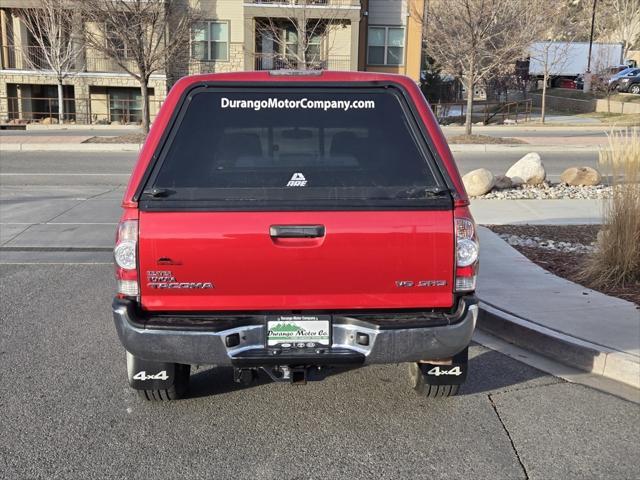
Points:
(49, 121)
(578, 176)
(545, 191)
(529, 169)
(116, 122)
(502, 182)
(478, 182)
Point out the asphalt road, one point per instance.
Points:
(68, 412)
(61, 168)
(532, 130)
(59, 199)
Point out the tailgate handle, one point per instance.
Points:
(296, 231)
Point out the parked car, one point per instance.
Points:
(290, 223)
(615, 80)
(630, 82)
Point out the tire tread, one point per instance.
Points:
(424, 389)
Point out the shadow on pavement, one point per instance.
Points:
(218, 380)
(488, 371)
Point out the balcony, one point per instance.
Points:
(23, 58)
(34, 58)
(100, 64)
(263, 61)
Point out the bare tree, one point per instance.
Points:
(301, 36)
(141, 36)
(50, 25)
(477, 37)
(618, 21)
(550, 56)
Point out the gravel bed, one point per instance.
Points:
(562, 250)
(548, 191)
(546, 244)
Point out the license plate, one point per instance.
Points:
(298, 331)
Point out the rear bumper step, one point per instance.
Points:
(353, 341)
(261, 357)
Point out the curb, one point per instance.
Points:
(574, 352)
(70, 147)
(521, 148)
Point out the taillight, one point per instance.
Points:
(125, 255)
(467, 252)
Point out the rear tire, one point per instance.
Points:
(424, 389)
(174, 388)
(634, 89)
(177, 391)
(421, 382)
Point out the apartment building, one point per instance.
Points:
(234, 35)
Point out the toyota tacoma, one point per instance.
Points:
(294, 222)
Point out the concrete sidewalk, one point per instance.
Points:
(542, 212)
(525, 305)
(577, 140)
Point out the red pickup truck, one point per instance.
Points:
(293, 222)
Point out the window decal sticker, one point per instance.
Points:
(297, 180)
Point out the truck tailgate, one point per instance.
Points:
(231, 260)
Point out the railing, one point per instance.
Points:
(302, 3)
(264, 61)
(486, 112)
(36, 108)
(77, 110)
(34, 58)
(103, 64)
(23, 58)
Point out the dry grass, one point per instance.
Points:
(617, 258)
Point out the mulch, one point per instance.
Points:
(565, 264)
(129, 138)
(482, 139)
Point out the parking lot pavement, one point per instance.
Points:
(68, 412)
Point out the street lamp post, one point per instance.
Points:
(587, 75)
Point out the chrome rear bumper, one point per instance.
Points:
(210, 346)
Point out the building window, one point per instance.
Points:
(210, 41)
(386, 46)
(115, 42)
(291, 43)
(314, 48)
(125, 104)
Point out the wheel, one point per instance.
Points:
(424, 389)
(634, 89)
(439, 381)
(158, 381)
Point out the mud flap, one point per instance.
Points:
(453, 374)
(146, 375)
